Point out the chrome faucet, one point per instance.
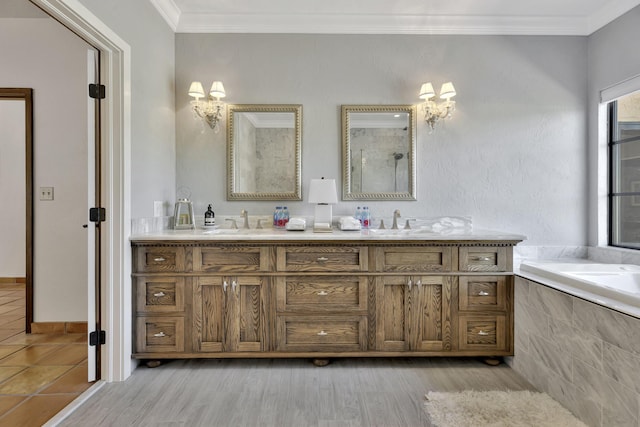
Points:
(245, 215)
(396, 215)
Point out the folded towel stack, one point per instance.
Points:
(349, 223)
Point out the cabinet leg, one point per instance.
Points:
(492, 361)
(321, 362)
(153, 363)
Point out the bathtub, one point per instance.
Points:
(616, 286)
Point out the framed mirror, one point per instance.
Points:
(378, 152)
(264, 152)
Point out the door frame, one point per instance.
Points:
(26, 95)
(115, 133)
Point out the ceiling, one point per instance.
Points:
(526, 17)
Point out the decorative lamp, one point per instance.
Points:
(433, 112)
(323, 193)
(210, 108)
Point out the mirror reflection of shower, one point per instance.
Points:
(396, 157)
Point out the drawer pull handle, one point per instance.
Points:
(322, 333)
(483, 293)
(159, 334)
(322, 259)
(483, 333)
(159, 294)
(323, 293)
(225, 285)
(481, 258)
(159, 259)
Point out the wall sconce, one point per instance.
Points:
(323, 192)
(432, 111)
(208, 109)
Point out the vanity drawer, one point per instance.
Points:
(159, 294)
(321, 293)
(159, 259)
(230, 259)
(480, 332)
(160, 334)
(322, 333)
(414, 259)
(483, 293)
(484, 258)
(323, 258)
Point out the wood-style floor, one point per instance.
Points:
(39, 374)
(287, 392)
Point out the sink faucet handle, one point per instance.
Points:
(234, 224)
(407, 226)
(382, 227)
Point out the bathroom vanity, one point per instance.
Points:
(272, 293)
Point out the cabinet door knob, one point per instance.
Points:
(159, 294)
(159, 259)
(419, 284)
(225, 285)
(234, 285)
(322, 259)
(483, 293)
(159, 334)
(410, 284)
(323, 293)
(483, 333)
(322, 333)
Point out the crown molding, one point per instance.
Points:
(381, 24)
(169, 11)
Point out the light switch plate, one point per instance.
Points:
(46, 193)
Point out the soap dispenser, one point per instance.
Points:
(209, 217)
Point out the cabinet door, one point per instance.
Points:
(392, 297)
(430, 313)
(228, 314)
(413, 313)
(210, 313)
(246, 303)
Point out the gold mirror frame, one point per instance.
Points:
(347, 193)
(232, 150)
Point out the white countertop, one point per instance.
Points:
(269, 234)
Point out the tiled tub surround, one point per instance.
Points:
(582, 354)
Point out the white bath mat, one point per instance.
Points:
(497, 409)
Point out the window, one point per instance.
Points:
(624, 171)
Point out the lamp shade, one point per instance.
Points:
(426, 91)
(196, 90)
(217, 90)
(447, 91)
(323, 191)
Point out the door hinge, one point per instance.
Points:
(97, 91)
(97, 215)
(97, 337)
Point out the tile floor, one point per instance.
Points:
(39, 374)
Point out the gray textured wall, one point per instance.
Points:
(513, 157)
(613, 58)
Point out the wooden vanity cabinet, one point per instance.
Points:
(322, 299)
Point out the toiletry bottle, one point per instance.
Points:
(285, 216)
(366, 217)
(358, 214)
(209, 217)
(276, 214)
